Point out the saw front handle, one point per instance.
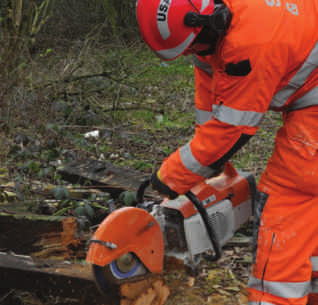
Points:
(141, 190)
(203, 213)
(208, 225)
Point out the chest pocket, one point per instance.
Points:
(242, 68)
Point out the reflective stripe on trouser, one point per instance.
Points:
(313, 296)
(287, 241)
(278, 289)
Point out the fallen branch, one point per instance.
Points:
(71, 79)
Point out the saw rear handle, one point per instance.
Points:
(203, 213)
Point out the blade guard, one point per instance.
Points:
(126, 230)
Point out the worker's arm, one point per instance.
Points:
(230, 106)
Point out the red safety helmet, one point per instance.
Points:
(161, 23)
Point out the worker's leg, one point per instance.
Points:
(313, 296)
(286, 215)
(282, 269)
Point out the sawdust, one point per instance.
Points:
(146, 292)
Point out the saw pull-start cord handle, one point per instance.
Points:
(202, 211)
(209, 227)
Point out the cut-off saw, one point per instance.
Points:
(133, 241)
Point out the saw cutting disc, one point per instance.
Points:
(118, 271)
(125, 266)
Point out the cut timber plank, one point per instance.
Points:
(75, 281)
(110, 178)
(49, 278)
(40, 235)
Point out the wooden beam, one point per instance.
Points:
(106, 176)
(48, 277)
(76, 281)
(40, 235)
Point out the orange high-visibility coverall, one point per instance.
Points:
(267, 60)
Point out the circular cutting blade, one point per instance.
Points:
(125, 266)
(118, 271)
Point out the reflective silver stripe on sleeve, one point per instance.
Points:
(202, 65)
(281, 289)
(172, 53)
(314, 286)
(311, 63)
(192, 164)
(314, 263)
(237, 117)
(202, 116)
(309, 99)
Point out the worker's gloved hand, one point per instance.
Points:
(157, 185)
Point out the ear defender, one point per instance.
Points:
(219, 21)
(193, 19)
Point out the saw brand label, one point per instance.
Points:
(162, 18)
(209, 200)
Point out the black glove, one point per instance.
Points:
(157, 185)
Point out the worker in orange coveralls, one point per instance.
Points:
(251, 56)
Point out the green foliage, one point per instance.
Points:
(102, 20)
(21, 21)
(112, 13)
(121, 15)
(142, 165)
(84, 209)
(60, 193)
(128, 198)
